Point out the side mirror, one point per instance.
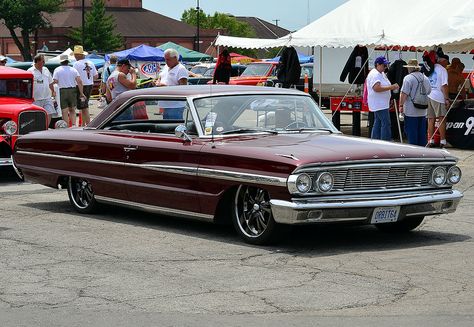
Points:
(60, 124)
(180, 131)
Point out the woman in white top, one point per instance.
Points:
(378, 98)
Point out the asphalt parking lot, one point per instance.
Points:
(124, 266)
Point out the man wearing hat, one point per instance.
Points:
(439, 100)
(69, 83)
(415, 118)
(3, 60)
(378, 99)
(88, 72)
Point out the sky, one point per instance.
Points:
(292, 14)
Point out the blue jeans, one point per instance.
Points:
(173, 113)
(382, 129)
(415, 129)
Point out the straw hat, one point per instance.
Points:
(79, 50)
(413, 63)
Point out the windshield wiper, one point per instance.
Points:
(309, 129)
(248, 130)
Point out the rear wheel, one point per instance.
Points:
(81, 195)
(401, 226)
(252, 216)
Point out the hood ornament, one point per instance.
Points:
(291, 156)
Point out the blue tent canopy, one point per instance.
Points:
(140, 53)
(301, 57)
(97, 60)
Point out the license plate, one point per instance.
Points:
(385, 215)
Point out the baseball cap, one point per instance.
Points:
(443, 56)
(124, 62)
(381, 61)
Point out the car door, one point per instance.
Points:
(161, 169)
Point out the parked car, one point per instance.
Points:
(18, 115)
(260, 157)
(256, 73)
(208, 75)
(306, 69)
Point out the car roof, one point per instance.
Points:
(206, 90)
(10, 72)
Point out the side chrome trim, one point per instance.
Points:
(242, 177)
(156, 209)
(182, 170)
(6, 161)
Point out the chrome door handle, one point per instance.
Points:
(130, 148)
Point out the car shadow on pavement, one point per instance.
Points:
(310, 240)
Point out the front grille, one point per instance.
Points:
(31, 121)
(377, 178)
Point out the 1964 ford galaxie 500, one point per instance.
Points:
(260, 157)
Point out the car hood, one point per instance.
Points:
(306, 148)
(10, 105)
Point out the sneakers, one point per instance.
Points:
(431, 145)
(442, 146)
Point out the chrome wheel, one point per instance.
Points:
(81, 195)
(253, 218)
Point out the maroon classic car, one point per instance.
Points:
(18, 115)
(260, 157)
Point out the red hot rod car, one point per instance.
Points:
(18, 115)
(260, 157)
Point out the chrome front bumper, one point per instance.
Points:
(361, 207)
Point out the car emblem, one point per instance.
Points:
(23, 125)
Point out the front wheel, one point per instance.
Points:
(252, 216)
(401, 226)
(81, 195)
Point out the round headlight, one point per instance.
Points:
(10, 127)
(60, 124)
(325, 182)
(438, 176)
(303, 183)
(454, 175)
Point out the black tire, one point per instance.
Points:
(401, 226)
(81, 195)
(252, 216)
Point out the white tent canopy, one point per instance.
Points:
(381, 22)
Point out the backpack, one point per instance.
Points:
(420, 100)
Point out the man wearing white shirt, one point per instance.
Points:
(439, 100)
(69, 83)
(88, 73)
(174, 73)
(42, 86)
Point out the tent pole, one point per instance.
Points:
(320, 76)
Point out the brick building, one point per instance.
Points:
(136, 25)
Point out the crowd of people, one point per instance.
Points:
(424, 98)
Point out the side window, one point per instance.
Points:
(150, 116)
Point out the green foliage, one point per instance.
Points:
(28, 16)
(98, 30)
(226, 22)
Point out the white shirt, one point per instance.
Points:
(66, 76)
(86, 70)
(42, 80)
(438, 78)
(171, 76)
(377, 100)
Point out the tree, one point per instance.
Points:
(98, 30)
(27, 16)
(227, 22)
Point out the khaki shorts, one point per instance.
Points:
(87, 89)
(436, 109)
(68, 97)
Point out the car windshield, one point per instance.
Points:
(262, 113)
(256, 70)
(209, 72)
(16, 88)
(199, 69)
